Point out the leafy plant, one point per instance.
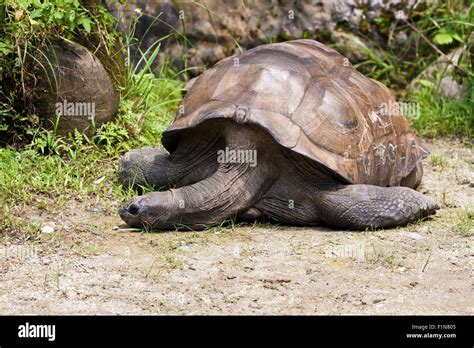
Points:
(444, 37)
(431, 30)
(65, 168)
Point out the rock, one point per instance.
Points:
(47, 229)
(96, 210)
(221, 28)
(451, 89)
(401, 37)
(99, 180)
(73, 89)
(184, 246)
(205, 54)
(414, 235)
(36, 218)
(346, 11)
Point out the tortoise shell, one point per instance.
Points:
(312, 101)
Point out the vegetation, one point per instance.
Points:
(465, 222)
(64, 168)
(443, 118)
(26, 28)
(42, 169)
(432, 31)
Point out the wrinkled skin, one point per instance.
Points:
(330, 148)
(200, 191)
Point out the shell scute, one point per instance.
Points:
(312, 101)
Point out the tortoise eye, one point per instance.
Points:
(133, 208)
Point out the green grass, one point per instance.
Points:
(63, 165)
(53, 169)
(443, 118)
(438, 161)
(464, 222)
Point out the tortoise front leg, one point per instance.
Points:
(147, 166)
(367, 206)
(156, 168)
(189, 164)
(230, 190)
(193, 161)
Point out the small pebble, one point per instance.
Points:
(98, 181)
(414, 235)
(47, 229)
(96, 210)
(36, 218)
(380, 291)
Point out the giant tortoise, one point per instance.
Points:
(288, 131)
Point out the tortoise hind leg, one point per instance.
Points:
(290, 201)
(367, 206)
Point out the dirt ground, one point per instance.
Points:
(88, 266)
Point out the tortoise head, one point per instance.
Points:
(153, 210)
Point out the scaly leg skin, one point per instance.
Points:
(226, 193)
(250, 214)
(144, 167)
(233, 189)
(367, 206)
(190, 163)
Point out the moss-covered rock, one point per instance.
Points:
(70, 89)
